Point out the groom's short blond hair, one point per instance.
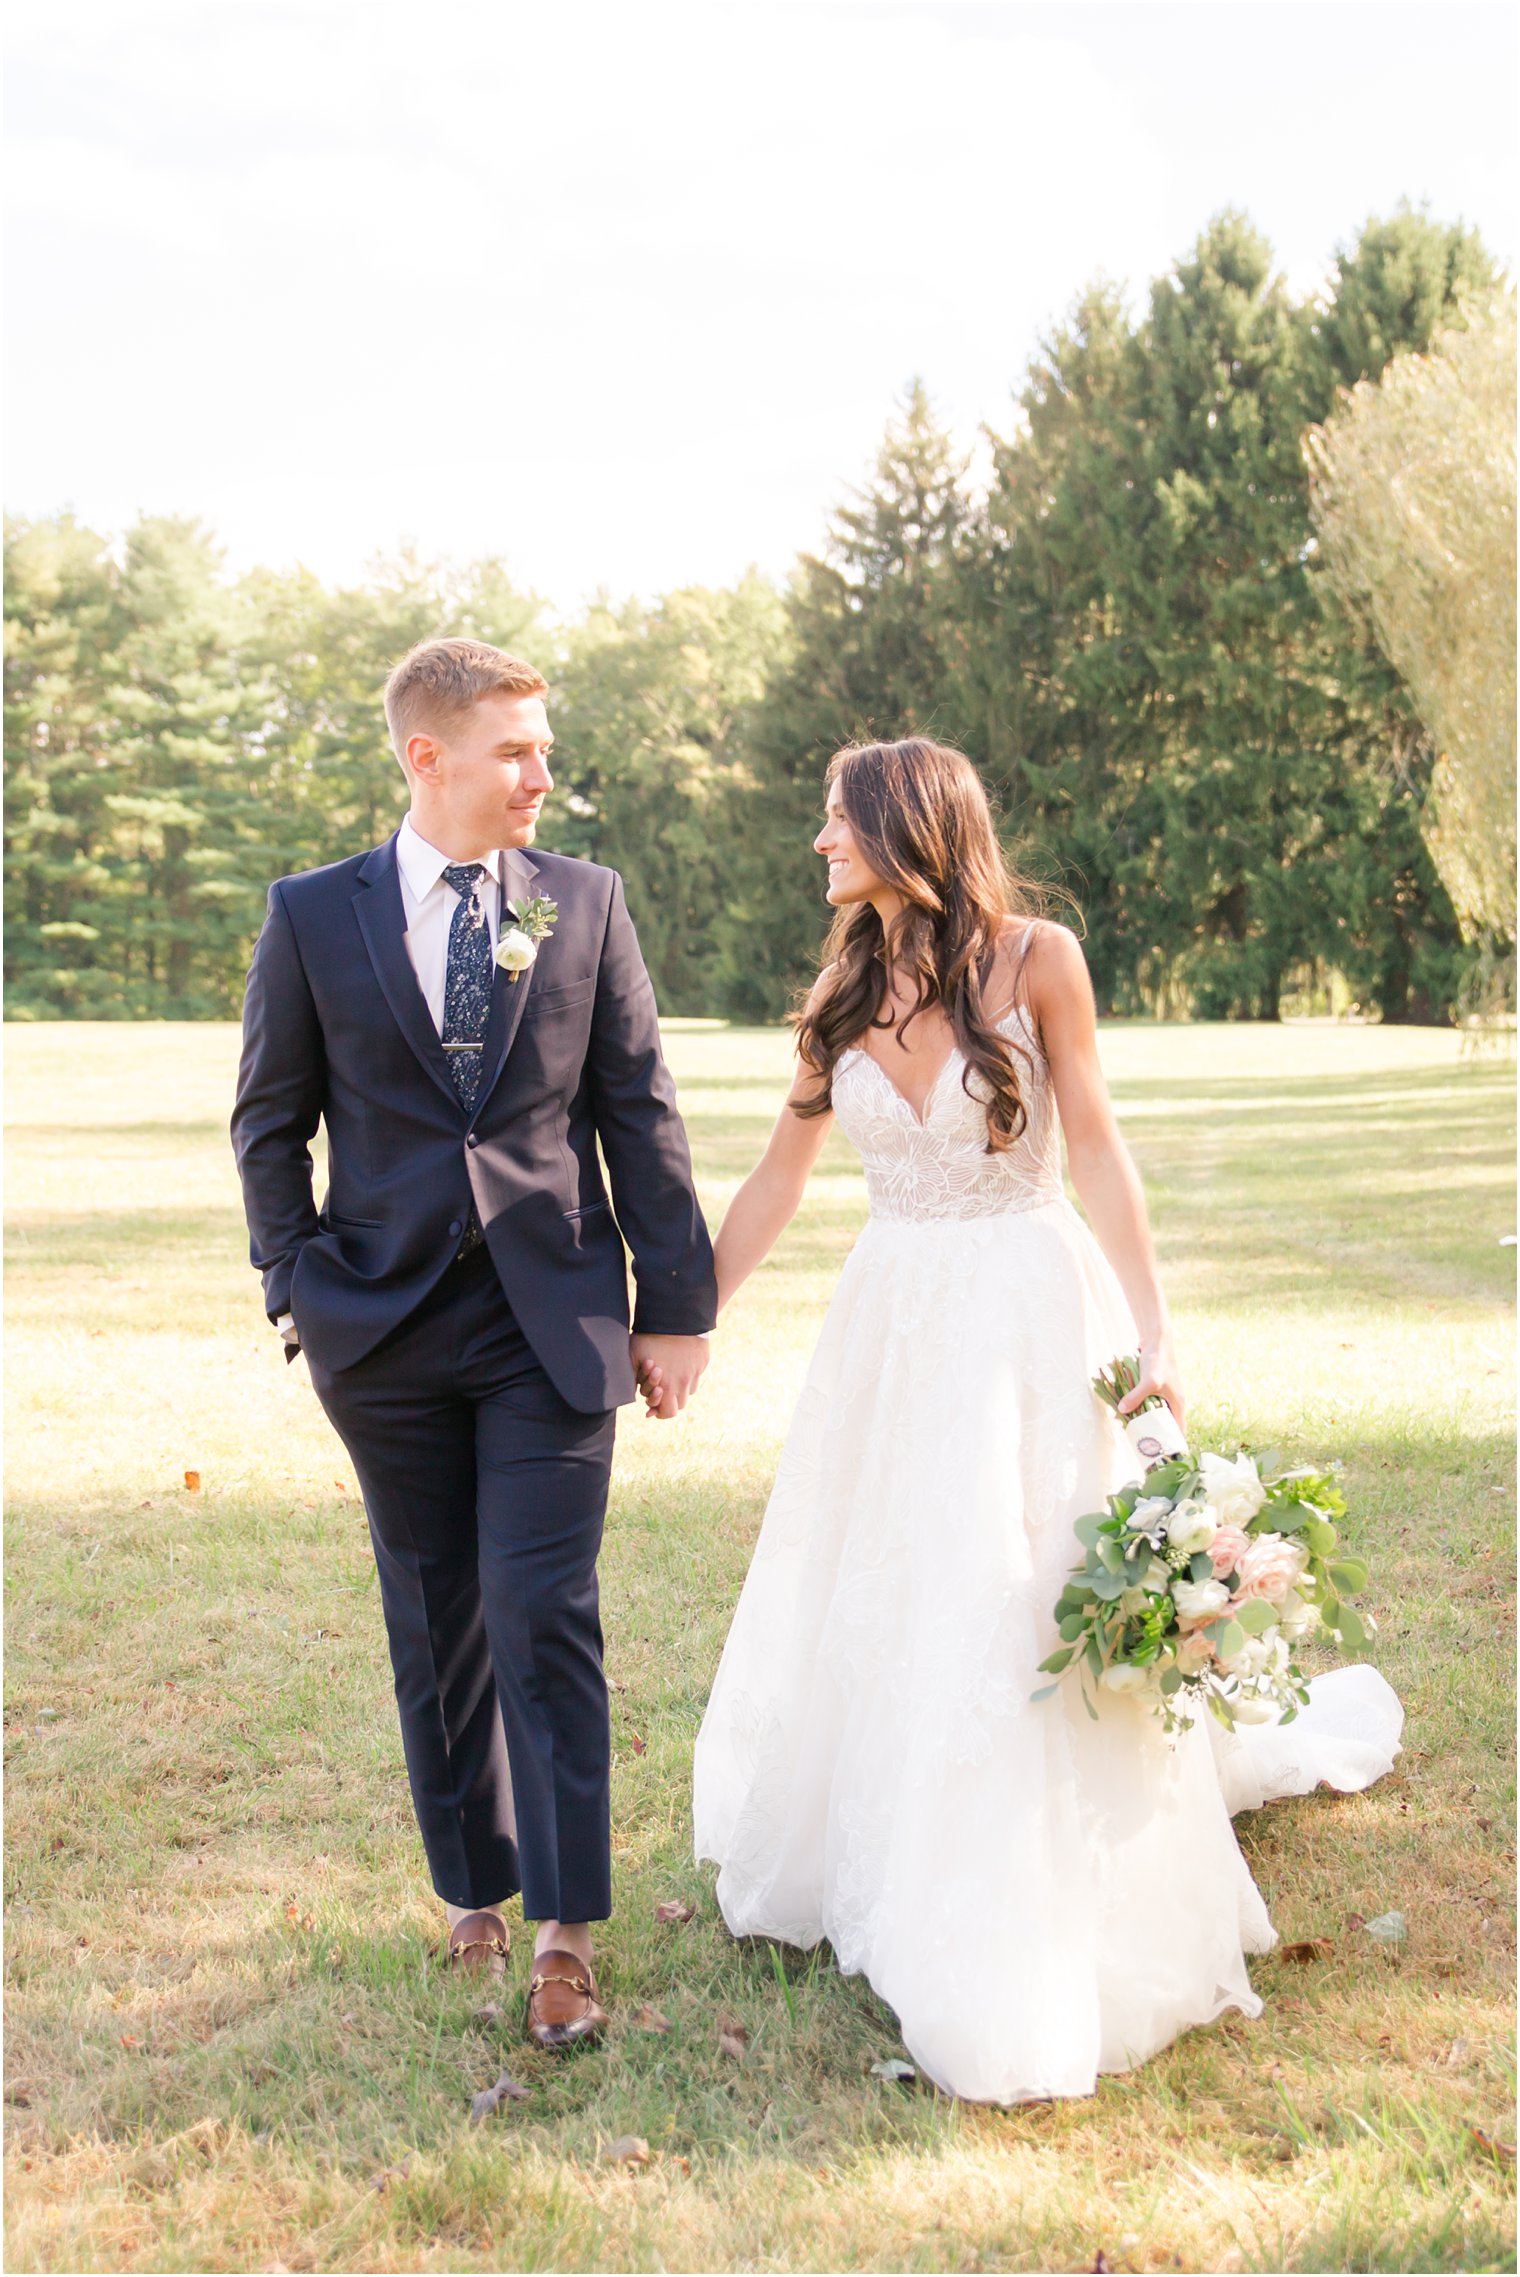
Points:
(437, 681)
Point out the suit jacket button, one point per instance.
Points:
(472, 1139)
(456, 1227)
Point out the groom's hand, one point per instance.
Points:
(667, 1370)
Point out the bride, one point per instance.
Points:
(1039, 1897)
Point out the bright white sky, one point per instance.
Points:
(625, 293)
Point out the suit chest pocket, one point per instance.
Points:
(564, 998)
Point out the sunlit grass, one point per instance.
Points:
(230, 2044)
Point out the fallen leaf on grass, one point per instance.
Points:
(673, 1909)
(895, 2068)
(389, 2174)
(650, 2020)
(638, 1744)
(193, 1481)
(628, 2150)
(1388, 1928)
(491, 2099)
(129, 2039)
(297, 1918)
(1503, 2152)
(733, 2037)
(1356, 1921)
(487, 2016)
(1306, 1949)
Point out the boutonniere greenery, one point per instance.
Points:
(532, 921)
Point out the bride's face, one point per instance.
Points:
(851, 877)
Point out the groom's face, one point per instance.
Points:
(485, 778)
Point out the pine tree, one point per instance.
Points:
(871, 649)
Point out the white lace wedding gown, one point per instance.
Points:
(1039, 1897)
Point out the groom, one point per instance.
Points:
(461, 1296)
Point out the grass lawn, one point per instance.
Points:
(230, 2043)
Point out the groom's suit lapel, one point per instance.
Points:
(507, 996)
(382, 921)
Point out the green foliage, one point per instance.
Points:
(1414, 498)
(1170, 700)
(649, 710)
(871, 648)
(1176, 713)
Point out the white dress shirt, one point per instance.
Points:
(430, 902)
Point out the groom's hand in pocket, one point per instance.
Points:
(667, 1370)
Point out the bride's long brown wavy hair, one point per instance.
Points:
(920, 817)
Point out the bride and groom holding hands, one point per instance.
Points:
(1038, 1897)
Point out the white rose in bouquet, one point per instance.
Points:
(1234, 1489)
(1250, 1660)
(1199, 1600)
(1122, 1677)
(1247, 1709)
(1149, 1517)
(1294, 1616)
(1191, 1527)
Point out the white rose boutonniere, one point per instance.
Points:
(518, 946)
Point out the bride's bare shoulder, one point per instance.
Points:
(1038, 961)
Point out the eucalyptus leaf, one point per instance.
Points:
(1351, 1628)
(1256, 1616)
(1320, 1536)
(1349, 1575)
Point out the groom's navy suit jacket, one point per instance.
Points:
(336, 1028)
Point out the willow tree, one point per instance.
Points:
(1412, 485)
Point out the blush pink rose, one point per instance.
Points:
(1270, 1567)
(1227, 1550)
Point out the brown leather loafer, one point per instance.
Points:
(479, 1944)
(563, 2008)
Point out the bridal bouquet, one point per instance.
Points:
(1198, 1584)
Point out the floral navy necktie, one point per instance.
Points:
(467, 982)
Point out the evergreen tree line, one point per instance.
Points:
(1205, 759)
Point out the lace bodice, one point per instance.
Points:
(937, 1165)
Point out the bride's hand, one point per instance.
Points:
(1159, 1373)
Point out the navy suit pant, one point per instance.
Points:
(486, 1493)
